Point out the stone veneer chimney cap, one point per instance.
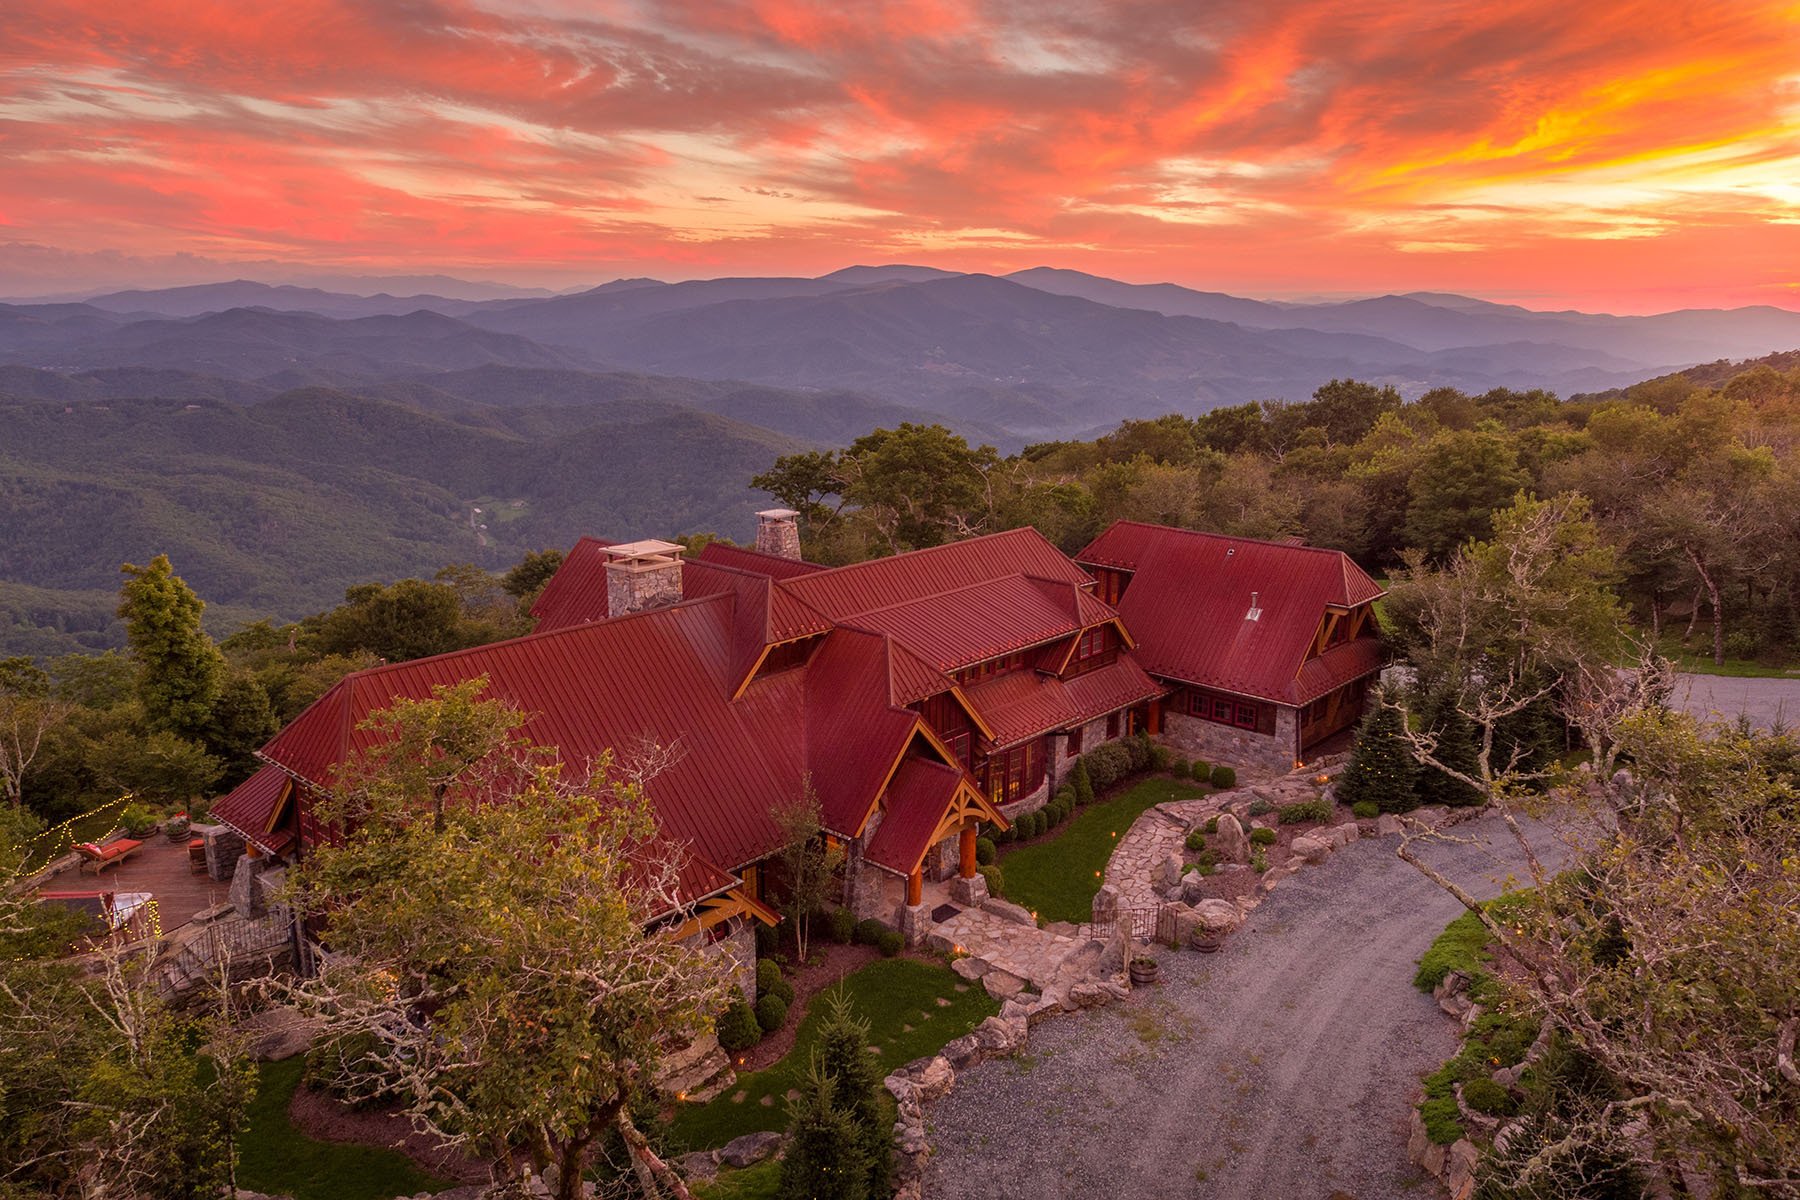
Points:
(779, 514)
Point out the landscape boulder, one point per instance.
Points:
(1007, 910)
(751, 1148)
(1230, 840)
(1002, 985)
(1312, 849)
(970, 968)
(1387, 825)
(1339, 836)
(1166, 873)
(1218, 916)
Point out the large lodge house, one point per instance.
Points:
(917, 696)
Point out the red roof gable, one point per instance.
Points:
(252, 806)
(1189, 599)
(843, 592)
(916, 799)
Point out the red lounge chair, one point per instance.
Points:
(109, 855)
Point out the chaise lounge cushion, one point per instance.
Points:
(112, 852)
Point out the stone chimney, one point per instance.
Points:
(778, 533)
(641, 575)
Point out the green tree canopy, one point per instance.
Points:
(180, 671)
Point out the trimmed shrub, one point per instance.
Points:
(985, 852)
(1365, 810)
(1305, 810)
(1160, 757)
(1381, 770)
(771, 1013)
(1262, 837)
(1001, 837)
(1180, 768)
(783, 991)
(1211, 826)
(1065, 796)
(768, 975)
(738, 1028)
(996, 880)
(1489, 1098)
(868, 933)
(1259, 808)
(1082, 783)
(1107, 764)
(1224, 777)
(1202, 771)
(840, 925)
(1196, 841)
(768, 940)
(1137, 746)
(890, 943)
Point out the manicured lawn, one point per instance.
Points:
(761, 1182)
(278, 1158)
(1057, 876)
(913, 1008)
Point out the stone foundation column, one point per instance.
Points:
(971, 892)
(915, 923)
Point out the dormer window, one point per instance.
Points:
(1094, 648)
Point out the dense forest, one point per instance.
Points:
(1692, 478)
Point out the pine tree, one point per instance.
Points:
(825, 1158)
(180, 671)
(1381, 766)
(1458, 747)
(843, 1050)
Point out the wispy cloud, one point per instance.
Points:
(1607, 150)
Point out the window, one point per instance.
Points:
(1096, 647)
(1074, 742)
(1014, 773)
(987, 670)
(1225, 710)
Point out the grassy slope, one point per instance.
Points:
(913, 1008)
(278, 1158)
(1057, 876)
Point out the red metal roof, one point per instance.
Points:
(984, 620)
(1188, 602)
(744, 559)
(1026, 704)
(843, 592)
(576, 594)
(251, 808)
(1338, 666)
(855, 731)
(917, 798)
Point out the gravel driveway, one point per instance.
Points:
(1764, 701)
(1281, 1067)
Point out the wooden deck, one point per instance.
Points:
(160, 868)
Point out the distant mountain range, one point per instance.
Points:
(282, 441)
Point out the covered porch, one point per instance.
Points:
(930, 812)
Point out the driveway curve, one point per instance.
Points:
(1765, 702)
(1281, 1067)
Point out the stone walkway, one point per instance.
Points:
(1154, 836)
(1023, 951)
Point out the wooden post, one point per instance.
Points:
(915, 887)
(967, 866)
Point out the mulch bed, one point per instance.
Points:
(326, 1119)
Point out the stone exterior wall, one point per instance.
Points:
(778, 533)
(1232, 746)
(738, 949)
(870, 891)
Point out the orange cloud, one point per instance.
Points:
(1619, 153)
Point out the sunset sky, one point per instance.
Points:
(1604, 154)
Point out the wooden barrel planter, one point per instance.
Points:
(1144, 971)
(1209, 943)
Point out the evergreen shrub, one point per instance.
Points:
(868, 933)
(1381, 770)
(768, 974)
(738, 1029)
(1365, 810)
(890, 943)
(1262, 837)
(840, 925)
(1202, 771)
(1305, 810)
(768, 940)
(1082, 782)
(985, 852)
(771, 1012)
(1196, 841)
(1211, 826)
(1224, 777)
(996, 879)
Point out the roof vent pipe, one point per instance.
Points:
(1255, 612)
